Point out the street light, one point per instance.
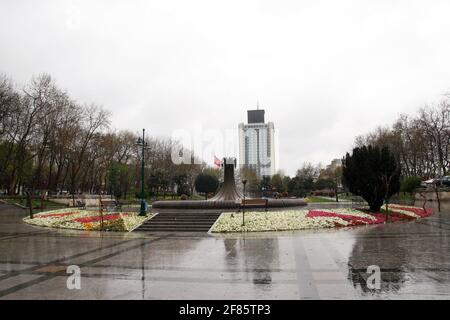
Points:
(244, 182)
(139, 142)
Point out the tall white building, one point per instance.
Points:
(257, 144)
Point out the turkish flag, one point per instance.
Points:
(217, 162)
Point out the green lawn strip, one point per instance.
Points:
(36, 203)
(401, 196)
(317, 199)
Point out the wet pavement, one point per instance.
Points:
(413, 258)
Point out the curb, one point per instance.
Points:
(214, 224)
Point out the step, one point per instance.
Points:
(189, 215)
(178, 225)
(183, 218)
(163, 225)
(182, 226)
(181, 213)
(174, 227)
(182, 221)
(173, 230)
(189, 212)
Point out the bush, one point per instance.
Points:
(206, 183)
(138, 195)
(322, 184)
(183, 190)
(184, 197)
(410, 184)
(372, 173)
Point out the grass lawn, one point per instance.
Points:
(159, 198)
(35, 202)
(403, 197)
(317, 199)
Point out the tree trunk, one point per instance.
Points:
(387, 212)
(437, 197)
(375, 207)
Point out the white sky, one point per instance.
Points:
(324, 71)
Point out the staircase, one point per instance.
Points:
(180, 222)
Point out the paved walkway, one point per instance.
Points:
(328, 264)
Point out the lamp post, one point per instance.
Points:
(144, 144)
(244, 182)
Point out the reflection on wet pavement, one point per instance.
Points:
(316, 264)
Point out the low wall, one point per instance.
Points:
(222, 204)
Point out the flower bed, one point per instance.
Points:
(314, 219)
(87, 220)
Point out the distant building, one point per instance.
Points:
(257, 144)
(331, 173)
(335, 163)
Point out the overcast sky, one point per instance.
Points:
(324, 71)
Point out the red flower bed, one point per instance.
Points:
(392, 216)
(418, 211)
(354, 220)
(379, 216)
(112, 216)
(56, 214)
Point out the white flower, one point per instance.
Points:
(292, 220)
(131, 220)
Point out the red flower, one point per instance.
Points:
(352, 220)
(112, 216)
(419, 211)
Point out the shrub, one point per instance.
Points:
(409, 184)
(372, 173)
(206, 183)
(183, 189)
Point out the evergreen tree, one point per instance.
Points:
(372, 173)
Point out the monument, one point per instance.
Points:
(228, 191)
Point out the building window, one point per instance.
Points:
(246, 147)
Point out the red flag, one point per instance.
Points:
(217, 162)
